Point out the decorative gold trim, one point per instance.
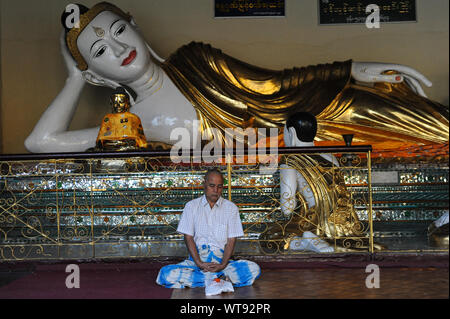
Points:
(85, 19)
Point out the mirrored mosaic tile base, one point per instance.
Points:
(410, 237)
(90, 210)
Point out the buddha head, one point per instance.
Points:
(300, 128)
(120, 101)
(106, 46)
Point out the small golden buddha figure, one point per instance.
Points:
(121, 130)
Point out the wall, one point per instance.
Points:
(32, 70)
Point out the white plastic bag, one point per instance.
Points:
(216, 286)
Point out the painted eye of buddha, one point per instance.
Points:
(120, 30)
(100, 52)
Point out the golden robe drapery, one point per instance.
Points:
(227, 92)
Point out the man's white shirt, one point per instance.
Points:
(211, 226)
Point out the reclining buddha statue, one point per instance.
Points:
(376, 102)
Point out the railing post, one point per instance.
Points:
(58, 212)
(229, 176)
(91, 209)
(369, 181)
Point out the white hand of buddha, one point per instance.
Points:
(74, 72)
(373, 72)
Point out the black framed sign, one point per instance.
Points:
(348, 11)
(249, 8)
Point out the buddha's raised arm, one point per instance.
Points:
(51, 132)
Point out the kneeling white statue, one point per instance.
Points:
(299, 131)
(316, 205)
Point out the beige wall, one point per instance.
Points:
(32, 71)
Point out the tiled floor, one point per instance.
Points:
(410, 268)
(394, 283)
(305, 277)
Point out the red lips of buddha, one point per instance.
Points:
(130, 58)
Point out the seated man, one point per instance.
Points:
(210, 225)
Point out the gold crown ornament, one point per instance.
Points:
(85, 19)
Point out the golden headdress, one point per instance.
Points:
(85, 19)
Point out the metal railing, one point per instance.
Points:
(128, 204)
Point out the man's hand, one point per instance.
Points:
(204, 266)
(373, 72)
(213, 267)
(210, 267)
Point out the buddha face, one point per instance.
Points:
(120, 103)
(113, 49)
